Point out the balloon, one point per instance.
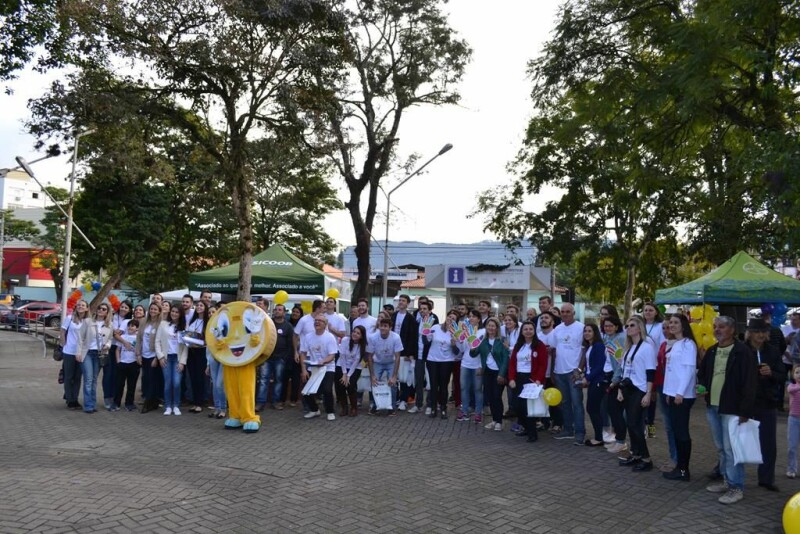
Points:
(697, 313)
(707, 341)
(114, 301)
(96, 286)
(662, 309)
(281, 297)
(87, 286)
(698, 334)
(780, 308)
(778, 320)
(791, 514)
(767, 308)
(332, 293)
(552, 396)
(306, 306)
(706, 329)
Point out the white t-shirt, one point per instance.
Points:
(568, 340)
(96, 338)
(398, 321)
(304, 326)
(336, 321)
(317, 348)
(383, 350)
(73, 331)
(441, 348)
(148, 342)
(655, 332)
(174, 339)
(349, 360)
(512, 337)
(491, 363)
(680, 375)
(549, 340)
(637, 362)
(196, 328)
(118, 323)
(423, 325)
(468, 362)
(125, 355)
(369, 323)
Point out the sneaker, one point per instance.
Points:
(608, 437)
(733, 495)
(489, 425)
(498, 427)
(130, 408)
(279, 406)
(176, 411)
(413, 409)
(790, 474)
(651, 431)
(617, 448)
(372, 411)
(331, 417)
(402, 406)
(428, 411)
(107, 405)
(311, 415)
(719, 487)
(462, 417)
(168, 411)
(392, 413)
(516, 427)
(478, 419)
(260, 407)
(564, 434)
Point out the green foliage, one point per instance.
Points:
(17, 229)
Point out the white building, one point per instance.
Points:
(18, 190)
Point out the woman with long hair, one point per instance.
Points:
(95, 343)
(441, 357)
(636, 390)
(348, 370)
(528, 364)
(658, 385)
(614, 340)
(471, 372)
(119, 322)
(165, 308)
(653, 321)
(680, 379)
(71, 335)
(509, 331)
(171, 354)
(146, 357)
(196, 354)
(595, 380)
(494, 365)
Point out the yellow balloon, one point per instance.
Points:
(707, 341)
(791, 515)
(306, 306)
(552, 396)
(332, 293)
(281, 297)
(696, 330)
(706, 329)
(697, 313)
(87, 286)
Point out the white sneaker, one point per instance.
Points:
(608, 437)
(427, 411)
(489, 425)
(168, 411)
(176, 411)
(718, 487)
(498, 427)
(413, 409)
(331, 417)
(311, 415)
(732, 496)
(617, 448)
(402, 406)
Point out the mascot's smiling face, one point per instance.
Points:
(239, 333)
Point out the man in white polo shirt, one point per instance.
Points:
(568, 338)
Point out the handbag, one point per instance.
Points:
(383, 396)
(58, 353)
(744, 441)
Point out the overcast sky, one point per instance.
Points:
(486, 129)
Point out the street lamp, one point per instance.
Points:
(385, 292)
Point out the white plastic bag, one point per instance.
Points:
(744, 441)
(538, 407)
(314, 381)
(364, 383)
(382, 394)
(405, 373)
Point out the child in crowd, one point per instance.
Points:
(127, 367)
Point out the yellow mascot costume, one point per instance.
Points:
(241, 336)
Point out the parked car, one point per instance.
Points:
(40, 310)
(14, 319)
(5, 309)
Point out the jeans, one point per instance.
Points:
(668, 424)
(491, 392)
(471, 390)
(634, 416)
(109, 375)
(718, 423)
(91, 368)
(73, 370)
(571, 405)
(270, 371)
(387, 369)
(172, 382)
(793, 434)
(220, 401)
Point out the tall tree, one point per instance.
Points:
(396, 55)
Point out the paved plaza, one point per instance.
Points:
(66, 471)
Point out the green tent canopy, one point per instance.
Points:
(273, 269)
(740, 280)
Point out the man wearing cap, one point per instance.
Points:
(729, 373)
(770, 374)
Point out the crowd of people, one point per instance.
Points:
(471, 359)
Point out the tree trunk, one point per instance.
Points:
(631, 282)
(107, 287)
(241, 208)
(362, 255)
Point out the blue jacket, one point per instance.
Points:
(596, 360)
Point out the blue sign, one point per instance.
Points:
(455, 275)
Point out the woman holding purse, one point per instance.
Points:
(528, 364)
(94, 346)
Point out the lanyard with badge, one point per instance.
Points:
(626, 360)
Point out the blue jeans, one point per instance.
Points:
(571, 405)
(665, 416)
(734, 474)
(91, 368)
(793, 431)
(471, 386)
(172, 382)
(381, 369)
(270, 371)
(220, 401)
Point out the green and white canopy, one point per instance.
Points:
(740, 280)
(274, 269)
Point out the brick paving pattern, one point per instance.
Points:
(66, 471)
